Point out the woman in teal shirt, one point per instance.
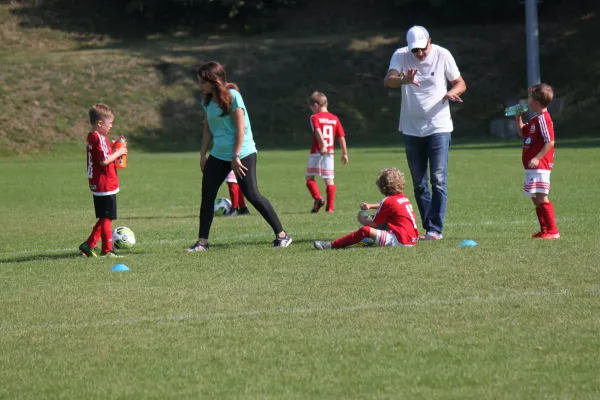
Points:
(227, 126)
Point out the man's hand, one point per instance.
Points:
(395, 79)
(451, 97)
(344, 158)
(409, 77)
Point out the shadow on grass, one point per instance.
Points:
(161, 217)
(259, 243)
(41, 257)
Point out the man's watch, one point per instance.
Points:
(235, 155)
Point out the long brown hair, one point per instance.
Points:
(214, 73)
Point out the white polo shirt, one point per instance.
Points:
(422, 112)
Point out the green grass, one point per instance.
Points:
(512, 318)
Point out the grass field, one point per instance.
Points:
(512, 318)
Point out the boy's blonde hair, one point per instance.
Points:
(100, 112)
(390, 181)
(542, 93)
(317, 98)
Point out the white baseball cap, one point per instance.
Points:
(417, 37)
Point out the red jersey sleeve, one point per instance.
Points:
(95, 150)
(546, 127)
(382, 213)
(314, 123)
(102, 150)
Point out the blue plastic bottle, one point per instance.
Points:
(515, 110)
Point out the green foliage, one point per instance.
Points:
(56, 64)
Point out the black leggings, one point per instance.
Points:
(215, 172)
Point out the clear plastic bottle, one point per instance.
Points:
(515, 110)
(121, 162)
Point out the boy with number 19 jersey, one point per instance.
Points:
(325, 127)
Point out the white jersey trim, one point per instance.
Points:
(103, 144)
(106, 193)
(544, 128)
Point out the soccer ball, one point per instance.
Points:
(366, 242)
(222, 206)
(123, 238)
(363, 215)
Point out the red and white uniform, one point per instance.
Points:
(322, 164)
(330, 127)
(538, 131)
(397, 212)
(103, 180)
(231, 177)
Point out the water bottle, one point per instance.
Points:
(365, 242)
(121, 162)
(515, 110)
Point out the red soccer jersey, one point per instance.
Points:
(538, 131)
(103, 180)
(397, 212)
(330, 126)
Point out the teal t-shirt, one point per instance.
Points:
(223, 129)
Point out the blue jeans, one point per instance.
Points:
(421, 153)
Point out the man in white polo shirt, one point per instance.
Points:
(423, 70)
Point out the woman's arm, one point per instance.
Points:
(206, 140)
(237, 116)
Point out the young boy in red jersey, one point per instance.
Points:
(238, 203)
(538, 158)
(394, 224)
(103, 180)
(325, 126)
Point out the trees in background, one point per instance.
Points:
(145, 16)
